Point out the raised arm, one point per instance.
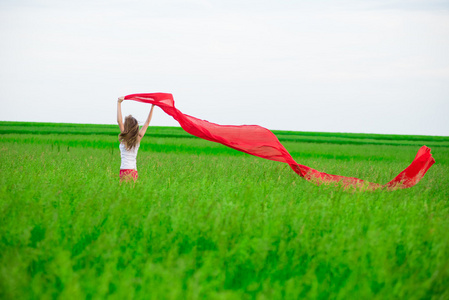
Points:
(119, 113)
(147, 122)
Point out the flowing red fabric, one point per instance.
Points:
(261, 142)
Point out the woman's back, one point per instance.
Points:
(128, 157)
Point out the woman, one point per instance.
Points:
(129, 138)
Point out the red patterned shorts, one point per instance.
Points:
(127, 174)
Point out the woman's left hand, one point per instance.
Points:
(120, 99)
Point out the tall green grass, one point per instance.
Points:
(206, 221)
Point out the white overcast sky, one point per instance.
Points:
(341, 66)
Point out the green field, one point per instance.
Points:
(207, 222)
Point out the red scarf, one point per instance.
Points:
(261, 142)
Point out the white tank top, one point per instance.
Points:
(128, 157)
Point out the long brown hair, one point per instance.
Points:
(129, 136)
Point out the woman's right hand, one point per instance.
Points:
(120, 99)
